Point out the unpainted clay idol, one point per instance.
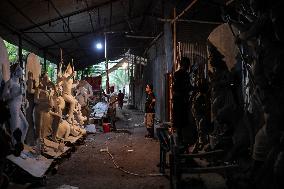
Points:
(33, 66)
(222, 38)
(4, 62)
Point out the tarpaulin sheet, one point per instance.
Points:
(95, 82)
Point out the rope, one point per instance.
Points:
(126, 171)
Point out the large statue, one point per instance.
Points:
(4, 63)
(182, 116)
(87, 87)
(263, 34)
(29, 111)
(33, 66)
(67, 82)
(5, 143)
(33, 71)
(83, 94)
(13, 94)
(268, 73)
(200, 113)
(222, 101)
(43, 105)
(61, 128)
(5, 139)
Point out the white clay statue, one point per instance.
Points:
(13, 94)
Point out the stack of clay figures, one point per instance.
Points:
(38, 110)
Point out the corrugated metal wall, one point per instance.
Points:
(154, 73)
(139, 84)
(196, 52)
(157, 68)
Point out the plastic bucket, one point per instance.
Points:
(106, 127)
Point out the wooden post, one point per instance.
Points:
(184, 11)
(129, 59)
(128, 75)
(60, 64)
(140, 83)
(174, 41)
(132, 80)
(20, 52)
(169, 58)
(106, 59)
(44, 61)
(170, 79)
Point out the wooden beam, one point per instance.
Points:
(112, 47)
(58, 32)
(191, 21)
(175, 41)
(229, 2)
(213, 169)
(152, 42)
(20, 51)
(184, 11)
(202, 154)
(139, 37)
(44, 60)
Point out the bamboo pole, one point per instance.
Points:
(106, 65)
(184, 11)
(174, 41)
(191, 21)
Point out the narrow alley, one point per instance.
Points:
(132, 94)
(92, 167)
(127, 146)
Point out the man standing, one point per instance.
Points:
(120, 98)
(149, 111)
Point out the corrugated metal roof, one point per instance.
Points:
(74, 25)
(41, 27)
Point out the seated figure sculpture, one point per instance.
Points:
(83, 96)
(64, 129)
(78, 114)
(76, 126)
(61, 129)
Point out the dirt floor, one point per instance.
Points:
(91, 166)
